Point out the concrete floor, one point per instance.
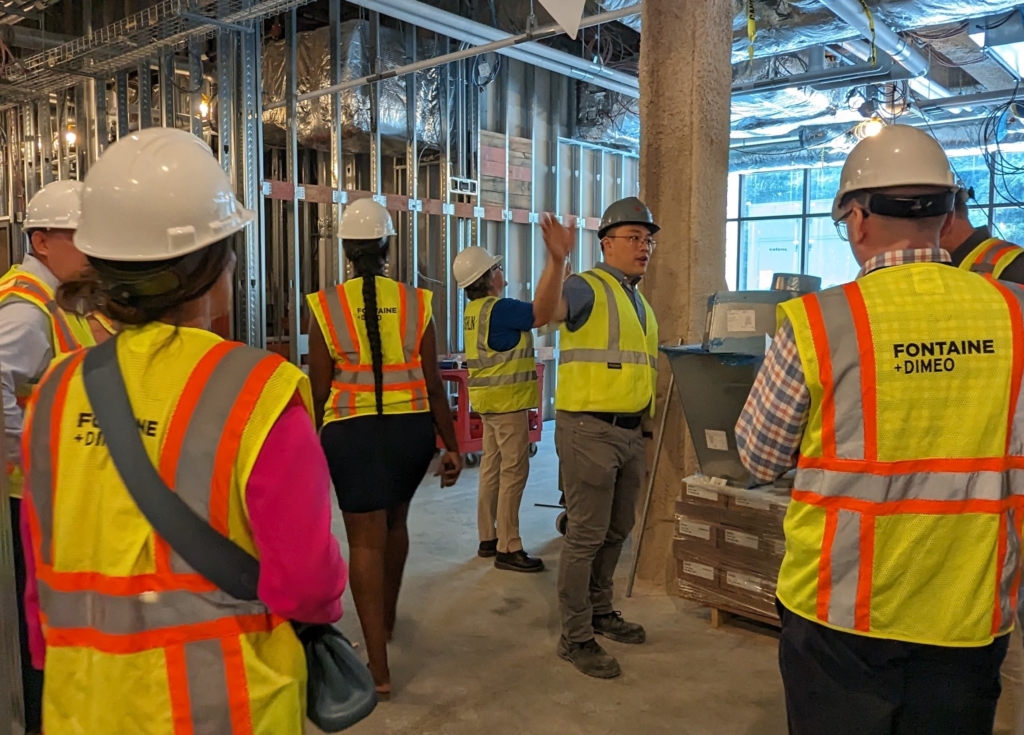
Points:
(474, 648)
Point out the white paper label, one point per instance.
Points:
(744, 581)
(698, 570)
(699, 492)
(696, 530)
(741, 539)
(741, 320)
(716, 440)
(755, 504)
(719, 481)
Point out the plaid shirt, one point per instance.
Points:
(771, 427)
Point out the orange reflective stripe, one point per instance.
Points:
(231, 440)
(177, 684)
(825, 563)
(916, 507)
(176, 429)
(238, 687)
(862, 610)
(346, 308)
(410, 386)
(119, 586)
(868, 377)
(331, 336)
(821, 347)
(997, 608)
(60, 398)
(912, 466)
(1017, 322)
(403, 308)
(177, 635)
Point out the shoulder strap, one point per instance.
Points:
(215, 557)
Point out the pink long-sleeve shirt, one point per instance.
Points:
(302, 573)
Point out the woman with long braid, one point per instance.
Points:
(378, 396)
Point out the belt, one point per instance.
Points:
(623, 421)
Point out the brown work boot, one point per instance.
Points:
(589, 658)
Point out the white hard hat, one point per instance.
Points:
(157, 194)
(55, 207)
(366, 219)
(899, 155)
(472, 263)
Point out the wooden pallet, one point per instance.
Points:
(721, 616)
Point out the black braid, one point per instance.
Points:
(367, 265)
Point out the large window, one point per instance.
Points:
(780, 221)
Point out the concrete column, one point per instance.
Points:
(685, 76)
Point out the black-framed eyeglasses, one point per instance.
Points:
(636, 240)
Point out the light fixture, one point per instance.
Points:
(869, 128)
(204, 108)
(70, 137)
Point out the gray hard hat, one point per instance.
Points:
(628, 211)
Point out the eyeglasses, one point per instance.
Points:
(636, 240)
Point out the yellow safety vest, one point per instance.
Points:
(499, 382)
(906, 513)
(68, 332)
(991, 257)
(608, 365)
(404, 314)
(136, 639)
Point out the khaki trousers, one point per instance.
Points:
(1010, 712)
(504, 469)
(602, 468)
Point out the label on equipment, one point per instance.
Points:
(697, 530)
(744, 581)
(717, 440)
(741, 539)
(741, 320)
(755, 504)
(699, 492)
(698, 570)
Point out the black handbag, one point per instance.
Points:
(340, 690)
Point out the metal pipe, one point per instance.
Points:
(993, 97)
(463, 29)
(852, 11)
(919, 82)
(850, 73)
(546, 32)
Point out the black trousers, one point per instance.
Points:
(31, 679)
(843, 684)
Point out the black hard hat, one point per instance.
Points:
(628, 211)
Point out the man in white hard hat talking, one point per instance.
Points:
(503, 388)
(896, 397)
(33, 331)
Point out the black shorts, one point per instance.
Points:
(377, 462)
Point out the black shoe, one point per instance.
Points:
(488, 549)
(614, 627)
(589, 658)
(518, 561)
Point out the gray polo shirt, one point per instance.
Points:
(579, 297)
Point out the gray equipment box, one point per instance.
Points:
(739, 321)
(713, 389)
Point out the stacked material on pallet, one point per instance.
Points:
(729, 545)
(506, 169)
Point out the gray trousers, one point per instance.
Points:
(602, 469)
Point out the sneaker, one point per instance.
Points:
(488, 549)
(589, 658)
(612, 626)
(518, 561)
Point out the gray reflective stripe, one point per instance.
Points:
(605, 357)
(500, 358)
(341, 403)
(412, 321)
(489, 381)
(845, 569)
(209, 699)
(57, 316)
(365, 377)
(1017, 431)
(1009, 570)
(129, 615)
(339, 324)
(194, 474)
(846, 375)
(989, 259)
(943, 486)
(41, 475)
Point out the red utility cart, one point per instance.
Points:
(469, 428)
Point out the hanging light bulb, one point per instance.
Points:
(870, 128)
(70, 137)
(204, 108)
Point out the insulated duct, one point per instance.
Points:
(314, 119)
